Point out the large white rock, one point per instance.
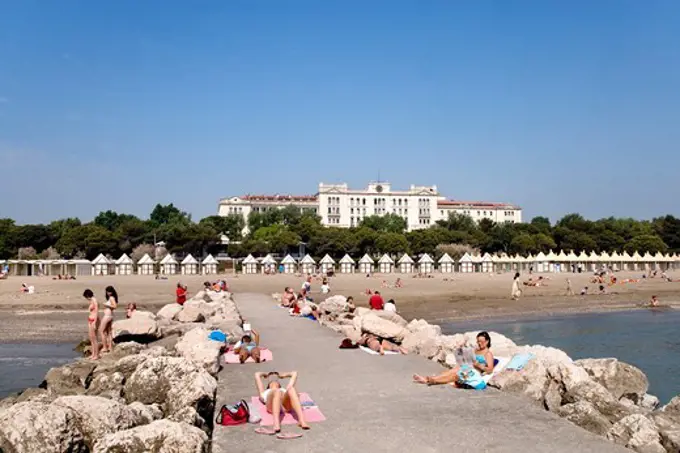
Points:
(197, 347)
(382, 328)
(191, 313)
(621, 379)
(599, 397)
(585, 415)
(141, 324)
(333, 305)
(69, 379)
(107, 385)
(161, 436)
(169, 311)
(422, 342)
(99, 416)
(638, 433)
(38, 427)
(531, 381)
(672, 409)
(146, 412)
(174, 383)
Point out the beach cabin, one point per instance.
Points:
(209, 265)
(124, 265)
(649, 261)
(101, 265)
(636, 258)
(446, 264)
(366, 264)
(426, 264)
(189, 265)
(626, 261)
(169, 265)
(145, 265)
(605, 260)
(327, 264)
(541, 263)
(593, 261)
(466, 264)
(385, 264)
(553, 265)
(615, 260)
(563, 261)
(347, 265)
(307, 265)
(249, 265)
(289, 265)
(268, 265)
(406, 264)
(487, 264)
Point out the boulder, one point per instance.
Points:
(174, 383)
(204, 352)
(158, 351)
(97, 416)
(232, 328)
(392, 317)
(179, 328)
(169, 311)
(36, 395)
(531, 381)
(382, 328)
(669, 430)
(38, 427)
(189, 416)
(553, 396)
(8, 401)
(600, 398)
(423, 342)
(125, 366)
(585, 415)
(350, 332)
(649, 402)
(140, 327)
(333, 305)
(672, 409)
(621, 379)
(107, 385)
(638, 433)
(125, 349)
(146, 412)
(71, 379)
(161, 436)
(191, 313)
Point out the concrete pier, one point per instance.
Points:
(372, 405)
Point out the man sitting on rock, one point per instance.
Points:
(376, 301)
(248, 347)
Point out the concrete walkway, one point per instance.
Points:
(371, 405)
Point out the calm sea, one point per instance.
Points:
(24, 365)
(647, 339)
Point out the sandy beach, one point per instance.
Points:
(56, 312)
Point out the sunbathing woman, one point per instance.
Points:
(248, 347)
(380, 346)
(466, 375)
(92, 323)
(278, 398)
(105, 330)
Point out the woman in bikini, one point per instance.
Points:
(277, 399)
(105, 331)
(92, 323)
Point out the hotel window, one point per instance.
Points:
(477, 213)
(329, 210)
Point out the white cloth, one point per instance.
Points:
(325, 289)
(390, 307)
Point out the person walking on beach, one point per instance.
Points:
(516, 291)
(106, 331)
(92, 323)
(570, 291)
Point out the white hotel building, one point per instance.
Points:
(340, 206)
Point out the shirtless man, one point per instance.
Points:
(288, 298)
(374, 343)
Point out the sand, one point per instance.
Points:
(58, 312)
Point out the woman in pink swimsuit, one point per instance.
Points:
(92, 323)
(105, 331)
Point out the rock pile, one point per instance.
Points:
(154, 392)
(604, 396)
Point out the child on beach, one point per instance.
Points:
(92, 323)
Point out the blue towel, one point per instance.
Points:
(519, 361)
(218, 335)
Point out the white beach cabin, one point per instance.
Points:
(169, 265)
(541, 263)
(406, 264)
(446, 264)
(347, 265)
(268, 265)
(467, 266)
(426, 264)
(486, 264)
(124, 265)
(327, 264)
(189, 265)
(145, 265)
(385, 264)
(289, 265)
(249, 265)
(307, 265)
(101, 265)
(209, 265)
(553, 265)
(366, 264)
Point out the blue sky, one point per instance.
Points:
(557, 106)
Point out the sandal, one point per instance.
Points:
(286, 436)
(265, 431)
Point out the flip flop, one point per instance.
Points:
(265, 431)
(286, 436)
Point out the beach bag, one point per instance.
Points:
(232, 415)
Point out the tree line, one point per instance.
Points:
(282, 230)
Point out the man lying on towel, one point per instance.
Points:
(468, 372)
(380, 346)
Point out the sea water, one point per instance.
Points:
(648, 339)
(24, 365)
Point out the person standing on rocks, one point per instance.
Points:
(181, 293)
(92, 323)
(106, 331)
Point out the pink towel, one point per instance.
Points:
(231, 357)
(312, 413)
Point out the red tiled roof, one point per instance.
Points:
(476, 204)
(307, 198)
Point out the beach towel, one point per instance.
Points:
(309, 407)
(372, 352)
(519, 361)
(500, 365)
(231, 357)
(218, 335)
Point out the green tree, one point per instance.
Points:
(111, 220)
(7, 248)
(99, 240)
(522, 244)
(426, 240)
(541, 225)
(388, 223)
(278, 237)
(458, 222)
(391, 243)
(646, 243)
(668, 229)
(162, 214)
(543, 243)
(231, 225)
